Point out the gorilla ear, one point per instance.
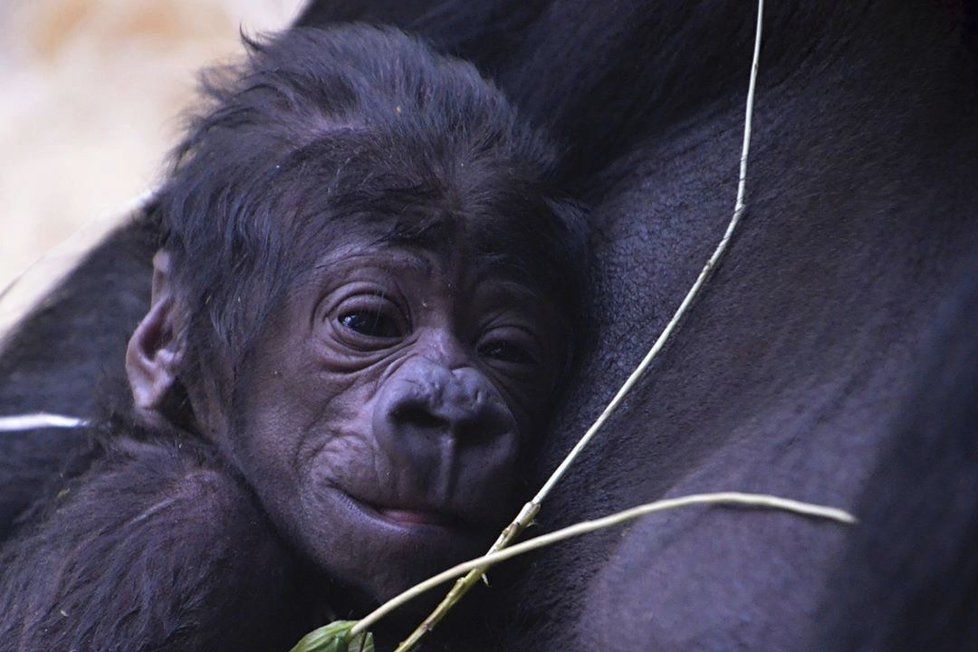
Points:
(156, 347)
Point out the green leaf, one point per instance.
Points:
(335, 637)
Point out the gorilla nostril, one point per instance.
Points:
(413, 414)
(482, 427)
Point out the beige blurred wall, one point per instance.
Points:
(90, 97)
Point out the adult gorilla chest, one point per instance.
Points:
(785, 377)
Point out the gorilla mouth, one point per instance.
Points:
(418, 517)
(410, 516)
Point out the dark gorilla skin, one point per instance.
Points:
(806, 370)
(364, 296)
(387, 406)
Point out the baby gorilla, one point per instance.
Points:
(362, 304)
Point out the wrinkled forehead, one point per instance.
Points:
(490, 242)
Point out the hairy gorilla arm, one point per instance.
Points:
(156, 547)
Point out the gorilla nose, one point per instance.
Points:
(432, 401)
(437, 421)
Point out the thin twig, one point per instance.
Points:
(530, 509)
(20, 422)
(724, 498)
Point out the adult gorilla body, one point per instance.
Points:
(792, 373)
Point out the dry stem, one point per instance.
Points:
(722, 498)
(531, 508)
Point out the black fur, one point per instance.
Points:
(910, 576)
(69, 345)
(795, 371)
(157, 547)
(147, 538)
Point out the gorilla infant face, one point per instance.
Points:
(382, 410)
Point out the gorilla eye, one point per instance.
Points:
(506, 352)
(372, 323)
(511, 346)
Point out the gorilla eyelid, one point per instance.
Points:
(507, 352)
(369, 315)
(371, 323)
(511, 344)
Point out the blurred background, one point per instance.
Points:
(90, 97)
